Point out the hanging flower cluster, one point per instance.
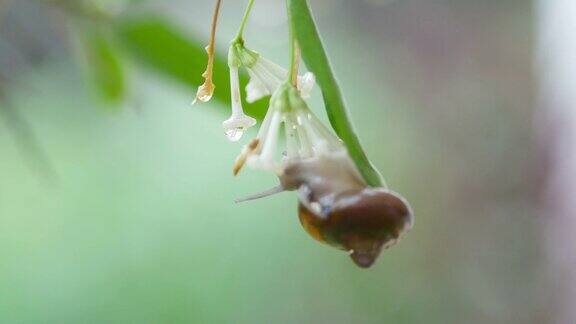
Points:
(336, 206)
(265, 78)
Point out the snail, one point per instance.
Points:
(336, 206)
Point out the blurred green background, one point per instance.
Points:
(116, 196)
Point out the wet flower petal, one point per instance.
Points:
(306, 84)
(255, 89)
(236, 125)
(267, 76)
(306, 137)
(265, 160)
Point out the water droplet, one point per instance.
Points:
(234, 134)
(205, 97)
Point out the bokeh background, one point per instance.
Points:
(116, 196)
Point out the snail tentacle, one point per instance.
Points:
(266, 193)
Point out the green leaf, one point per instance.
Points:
(104, 67)
(159, 45)
(305, 31)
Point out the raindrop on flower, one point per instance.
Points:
(234, 134)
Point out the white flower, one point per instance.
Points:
(307, 143)
(235, 126)
(306, 137)
(267, 76)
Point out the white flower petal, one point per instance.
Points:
(265, 160)
(238, 122)
(235, 126)
(306, 84)
(320, 143)
(235, 91)
(255, 90)
(266, 77)
(292, 151)
(274, 69)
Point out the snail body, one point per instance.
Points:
(337, 208)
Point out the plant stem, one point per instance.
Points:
(212, 43)
(295, 64)
(306, 34)
(294, 59)
(239, 37)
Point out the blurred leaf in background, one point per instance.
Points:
(104, 66)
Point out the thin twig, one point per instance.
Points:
(212, 43)
(206, 90)
(240, 35)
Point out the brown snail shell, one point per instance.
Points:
(362, 222)
(339, 209)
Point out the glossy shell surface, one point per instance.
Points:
(362, 222)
